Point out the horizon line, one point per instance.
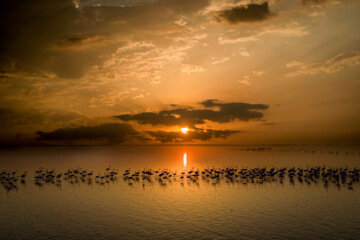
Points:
(169, 144)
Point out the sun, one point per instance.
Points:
(184, 130)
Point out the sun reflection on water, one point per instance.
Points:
(185, 159)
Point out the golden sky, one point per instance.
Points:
(137, 71)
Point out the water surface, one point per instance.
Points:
(174, 208)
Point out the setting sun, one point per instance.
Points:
(184, 130)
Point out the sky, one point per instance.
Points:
(138, 71)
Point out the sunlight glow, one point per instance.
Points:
(184, 130)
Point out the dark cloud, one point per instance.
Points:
(198, 134)
(30, 27)
(4, 112)
(135, 15)
(116, 133)
(13, 118)
(213, 110)
(249, 13)
(19, 124)
(55, 36)
(112, 133)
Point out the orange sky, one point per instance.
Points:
(121, 71)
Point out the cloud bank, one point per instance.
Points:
(176, 115)
(198, 134)
(110, 133)
(212, 110)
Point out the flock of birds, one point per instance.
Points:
(340, 177)
(302, 150)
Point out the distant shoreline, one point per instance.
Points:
(178, 145)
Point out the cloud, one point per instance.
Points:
(314, 2)
(112, 133)
(4, 112)
(249, 13)
(188, 68)
(198, 134)
(68, 38)
(288, 29)
(246, 79)
(332, 65)
(145, 61)
(317, 4)
(181, 22)
(17, 118)
(18, 123)
(222, 60)
(138, 96)
(117, 133)
(213, 110)
(258, 73)
(31, 28)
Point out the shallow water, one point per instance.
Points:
(178, 209)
